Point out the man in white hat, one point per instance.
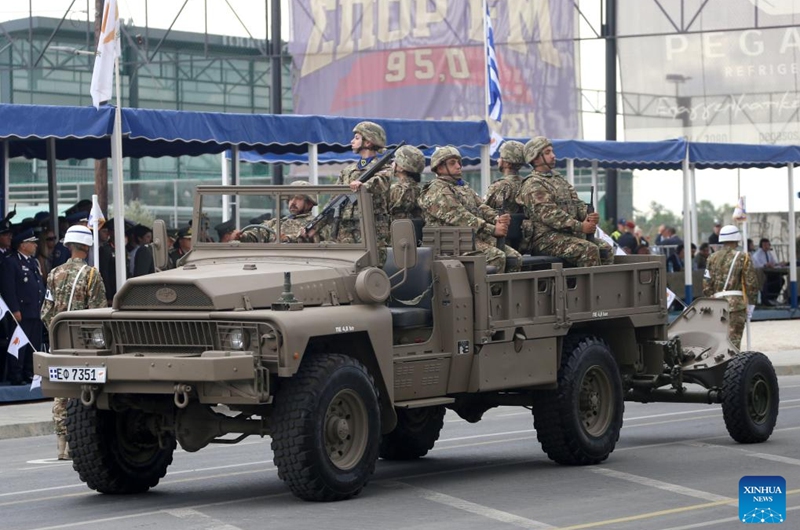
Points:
(70, 287)
(730, 274)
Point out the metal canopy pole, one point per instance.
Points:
(226, 199)
(313, 164)
(486, 169)
(687, 227)
(571, 171)
(4, 168)
(51, 186)
(792, 241)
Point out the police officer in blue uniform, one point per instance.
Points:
(23, 290)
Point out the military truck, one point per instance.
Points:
(341, 361)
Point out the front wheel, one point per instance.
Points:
(117, 452)
(579, 422)
(750, 398)
(326, 428)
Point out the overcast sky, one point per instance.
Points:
(766, 190)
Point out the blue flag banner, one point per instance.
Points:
(493, 74)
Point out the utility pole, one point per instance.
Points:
(101, 165)
(610, 34)
(277, 89)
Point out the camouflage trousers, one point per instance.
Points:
(575, 250)
(60, 415)
(736, 321)
(497, 257)
(350, 232)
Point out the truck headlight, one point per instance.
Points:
(98, 338)
(238, 339)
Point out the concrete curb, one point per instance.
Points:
(24, 430)
(787, 370)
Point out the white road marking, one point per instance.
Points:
(157, 512)
(200, 521)
(776, 458)
(470, 507)
(666, 486)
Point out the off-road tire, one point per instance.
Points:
(416, 432)
(114, 452)
(579, 422)
(326, 428)
(750, 397)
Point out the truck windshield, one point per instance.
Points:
(276, 215)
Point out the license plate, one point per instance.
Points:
(78, 374)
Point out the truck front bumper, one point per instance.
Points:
(213, 376)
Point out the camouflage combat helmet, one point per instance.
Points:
(309, 198)
(534, 147)
(372, 132)
(513, 152)
(409, 158)
(442, 154)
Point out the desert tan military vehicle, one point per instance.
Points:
(341, 361)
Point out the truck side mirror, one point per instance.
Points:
(404, 244)
(160, 250)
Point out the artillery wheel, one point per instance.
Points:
(579, 422)
(416, 432)
(750, 397)
(326, 428)
(117, 452)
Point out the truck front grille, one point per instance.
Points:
(178, 336)
(185, 297)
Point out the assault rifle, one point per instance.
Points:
(333, 210)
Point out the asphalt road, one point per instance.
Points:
(674, 468)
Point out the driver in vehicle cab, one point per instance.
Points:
(299, 206)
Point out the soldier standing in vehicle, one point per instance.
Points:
(409, 163)
(71, 287)
(449, 201)
(560, 219)
(502, 194)
(730, 274)
(299, 207)
(369, 139)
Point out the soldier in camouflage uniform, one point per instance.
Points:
(369, 139)
(730, 274)
(409, 162)
(71, 287)
(300, 207)
(449, 201)
(502, 194)
(560, 221)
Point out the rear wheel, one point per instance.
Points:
(750, 397)
(117, 452)
(416, 432)
(579, 422)
(326, 428)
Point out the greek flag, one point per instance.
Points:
(493, 76)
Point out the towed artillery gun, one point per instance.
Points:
(341, 362)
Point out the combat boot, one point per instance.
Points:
(63, 450)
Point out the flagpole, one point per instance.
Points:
(119, 196)
(743, 200)
(486, 168)
(95, 235)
